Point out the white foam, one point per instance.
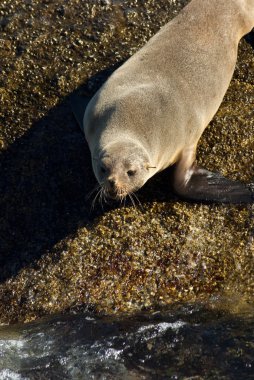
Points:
(7, 374)
(162, 327)
(7, 344)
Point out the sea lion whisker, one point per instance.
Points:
(104, 194)
(92, 191)
(139, 203)
(132, 200)
(102, 197)
(95, 198)
(120, 195)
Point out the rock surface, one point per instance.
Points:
(59, 255)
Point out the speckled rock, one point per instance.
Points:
(58, 254)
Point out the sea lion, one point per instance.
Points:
(152, 110)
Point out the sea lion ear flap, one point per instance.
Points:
(148, 166)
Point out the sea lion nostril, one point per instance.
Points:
(111, 183)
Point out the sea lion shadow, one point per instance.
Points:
(46, 179)
(250, 38)
(46, 187)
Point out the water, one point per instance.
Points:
(185, 342)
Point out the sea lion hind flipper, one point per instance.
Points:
(206, 186)
(78, 106)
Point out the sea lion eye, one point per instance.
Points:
(131, 173)
(103, 170)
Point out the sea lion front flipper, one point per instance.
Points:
(78, 107)
(203, 185)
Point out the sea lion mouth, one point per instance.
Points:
(113, 191)
(103, 194)
(112, 194)
(117, 195)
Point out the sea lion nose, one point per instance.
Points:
(112, 182)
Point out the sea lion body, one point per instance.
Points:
(164, 96)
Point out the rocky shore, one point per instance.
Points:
(59, 255)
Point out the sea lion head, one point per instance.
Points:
(121, 168)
